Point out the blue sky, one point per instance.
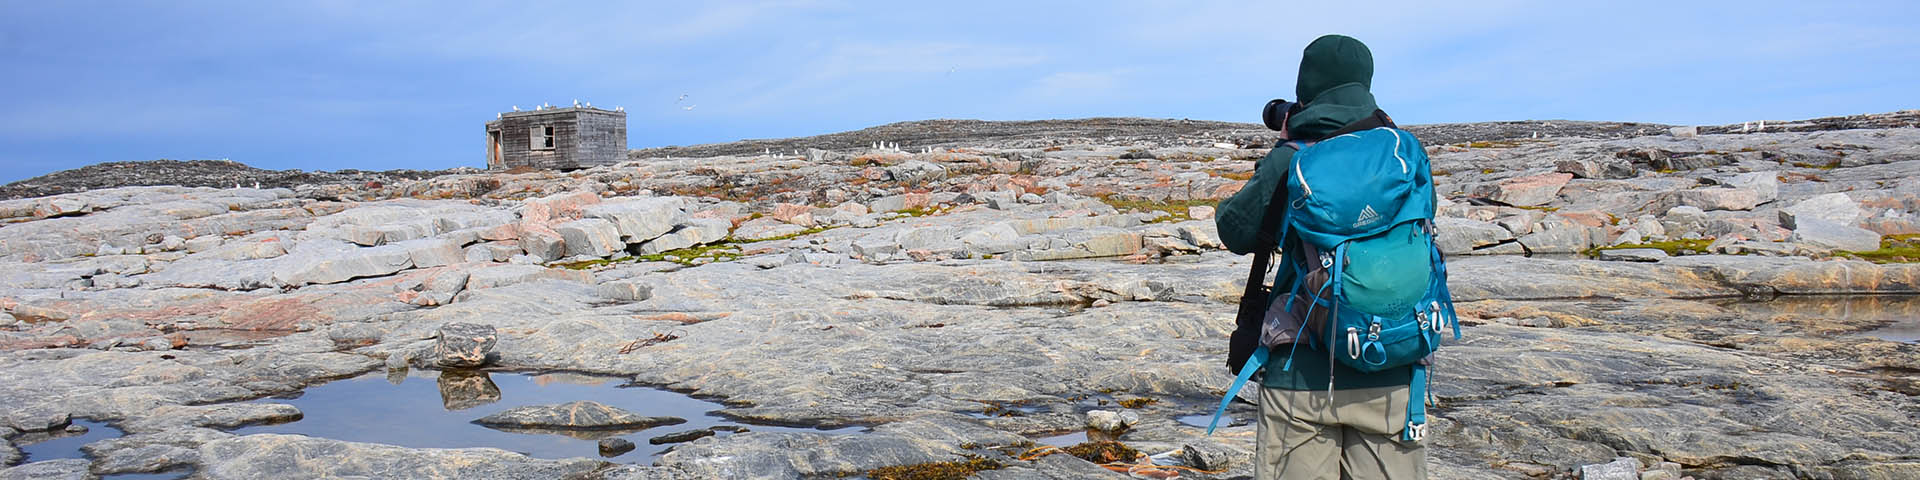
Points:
(381, 85)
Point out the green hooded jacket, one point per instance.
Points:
(1335, 74)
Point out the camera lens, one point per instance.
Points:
(1275, 114)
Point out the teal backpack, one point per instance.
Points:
(1371, 282)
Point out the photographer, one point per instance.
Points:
(1320, 418)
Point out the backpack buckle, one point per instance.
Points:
(1373, 331)
(1353, 342)
(1417, 431)
(1422, 317)
(1326, 260)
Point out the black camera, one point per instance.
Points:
(1276, 112)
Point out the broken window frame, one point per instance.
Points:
(540, 137)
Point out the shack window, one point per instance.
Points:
(542, 138)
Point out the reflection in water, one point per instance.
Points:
(1898, 316)
(464, 389)
(430, 409)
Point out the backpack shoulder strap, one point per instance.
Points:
(1377, 120)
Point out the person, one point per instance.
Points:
(1306, 427)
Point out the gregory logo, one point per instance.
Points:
(1367, 215)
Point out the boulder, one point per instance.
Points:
(464, 345)
(592, 237)
(625, 291)
(1111, 421)
(433, 252)
(1596, 169)
(581, 415)
(916, 171)
(897, 203)
(1199, 212)
(1204, 236)
(698, 231)
(640, 219)
(1456, 236)
(932, 239)
(1623, 468)
(1764, 184)
(1719, 198)
(876, 247)
(1825, 234)
(1211, 455)
(1832, 207)
(1528, 191)
(615, 446)
(1557, 234)
(543, 244)
(992, 239)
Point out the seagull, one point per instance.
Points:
(688, 107)
(682, 97)
(516, 108)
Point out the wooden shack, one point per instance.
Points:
(557, 138)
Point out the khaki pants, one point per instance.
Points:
(1355, 434)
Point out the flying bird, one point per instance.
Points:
(682, 97)
(688, 107)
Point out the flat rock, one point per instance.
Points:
(581, 415)
(305, 267)
(1825, 234)
(62, 469)
(297, 456)
(1527, 191)
(1836, 208)
(1720, 198)
(1632, 255)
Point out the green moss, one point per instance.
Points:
(718, 252)
(1539, 208)
(936, 470)
(1176, 209)
(1138, 402)
(588, 264)
(1903, 248)
(918, 211)
(798, 234)
(1672, 247)
(1829, 166)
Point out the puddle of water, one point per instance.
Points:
(1900, 313)
(1063, 441)
(426, 409)
(65, 445)
(1201, 420)
(59, 444)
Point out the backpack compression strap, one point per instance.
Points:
(1246, 373)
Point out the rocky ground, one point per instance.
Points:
(960, 300)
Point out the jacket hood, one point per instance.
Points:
(1336, 74)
